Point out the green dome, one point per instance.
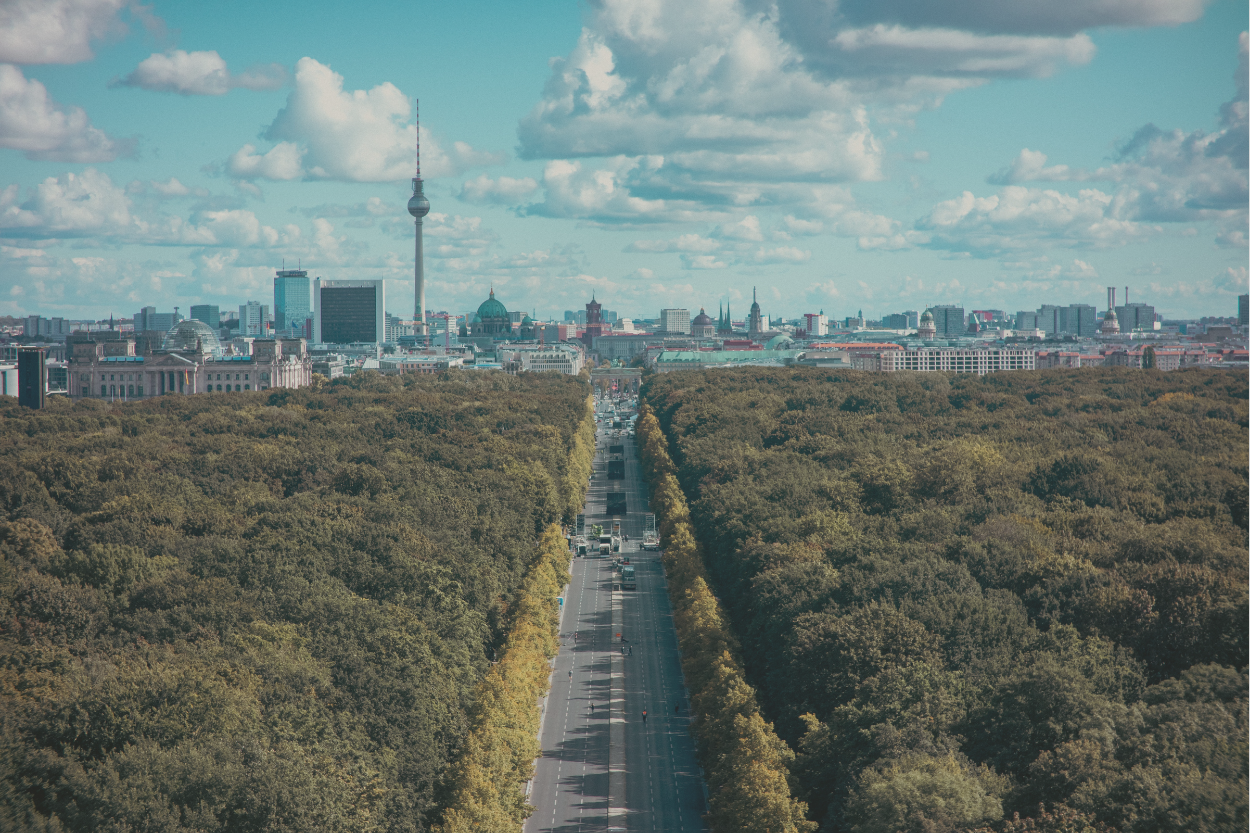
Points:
(491, 308)
(526, 321)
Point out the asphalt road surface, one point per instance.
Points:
(662, 786)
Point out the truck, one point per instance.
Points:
(616, 470)
(616, 504)
(605, 544)
(618, 450)
(616, 543)
(650, 541)
(628, 579)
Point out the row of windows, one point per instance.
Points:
(134, 377)
(116, 390)
(133, 390)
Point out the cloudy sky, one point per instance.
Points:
(837, 154)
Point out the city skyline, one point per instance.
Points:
(666, 157)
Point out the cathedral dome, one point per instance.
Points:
(494, 319)
(492, 308)
(702, 319)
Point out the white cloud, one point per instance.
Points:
(781, 254)
(172, 188)
(884, 50)
(89, 205)
(1030, 166)
(73, 205)
(30, 121)
(502, 191)
(1171, 176)
(702, 262)
(740, 101)
(198, 73)
(1017, 217)
(1234, 279)
(693, 243)
(56, 31)
(1232, 238)
(797, 226)
(354, 136)
(372, 207)
(454, 236)
(994, 17)
(284, 161)
(747, 228)
(604, 194)
(710, 90)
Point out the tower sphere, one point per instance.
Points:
(418, 206)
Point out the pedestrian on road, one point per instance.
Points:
(592, 708)
(644, 715)
(677, 708)
(570, 675)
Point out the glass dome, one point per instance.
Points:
(186, 333)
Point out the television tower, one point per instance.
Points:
(418, 207)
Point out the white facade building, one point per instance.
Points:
(253, 319)
(112, 371)
(675, 320)
(956, 360)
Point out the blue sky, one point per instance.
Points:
(837, 154)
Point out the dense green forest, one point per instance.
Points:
(963, 598)
(268, 611)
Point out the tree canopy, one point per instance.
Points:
(269, 611)
(961, 599)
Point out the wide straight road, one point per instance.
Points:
(657, 785)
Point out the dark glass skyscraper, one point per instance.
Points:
(210, 314)
(348, 312)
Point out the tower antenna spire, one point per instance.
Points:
(418, 207)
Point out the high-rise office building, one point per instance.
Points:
(149, 319)
(1052, 319)
(908, 320)
(1243, 310)
(253, 319)
(1026, 320)
(948, 319)
(46, 329)
(210, 314)
(348, 312)
(32, 375)
(675, 320)
(1135, 316)
(292, 300)
(1082, 320)
(816, 323)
